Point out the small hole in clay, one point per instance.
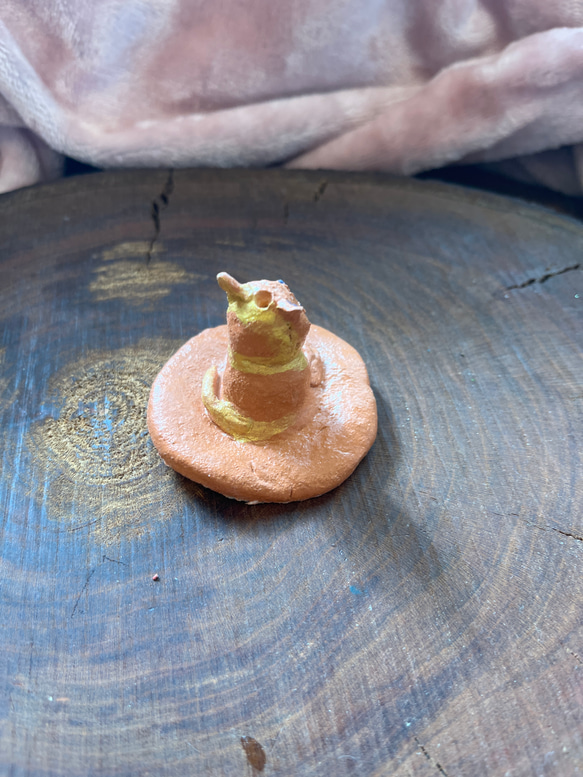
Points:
(263, 298)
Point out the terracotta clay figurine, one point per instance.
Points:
(267, 408)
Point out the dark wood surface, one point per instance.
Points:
(425, 618)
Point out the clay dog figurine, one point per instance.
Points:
(266, 409)
(267, 373)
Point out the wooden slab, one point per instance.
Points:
(425, 618)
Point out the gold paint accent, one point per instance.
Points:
(275, 329)
(227, 242)
(95, 463)
(248, 311)
(132, 249)
(230, 419)
(263, 365)
(275, 240)
(137, 281)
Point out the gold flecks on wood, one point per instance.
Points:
(134, 272)
(96, 463)
(229, 242)
(131, 249)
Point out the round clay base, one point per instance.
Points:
(334, 431)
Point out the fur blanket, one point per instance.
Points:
(392, 85)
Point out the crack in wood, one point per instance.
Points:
(544, 278)
(572, 653)
(431, 760)
(159, 203)
(77, 528)
(89, 576)
(319, 193)
(114, 560)
(567, 534)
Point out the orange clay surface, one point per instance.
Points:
(332, 433)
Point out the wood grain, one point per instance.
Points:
(422, 619)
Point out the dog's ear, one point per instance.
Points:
(289, 307)
(232, 287)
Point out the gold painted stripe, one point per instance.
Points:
(228, 418)
(263, 365)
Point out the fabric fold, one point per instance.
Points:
(399, 86)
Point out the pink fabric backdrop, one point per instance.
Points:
(395, 85)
